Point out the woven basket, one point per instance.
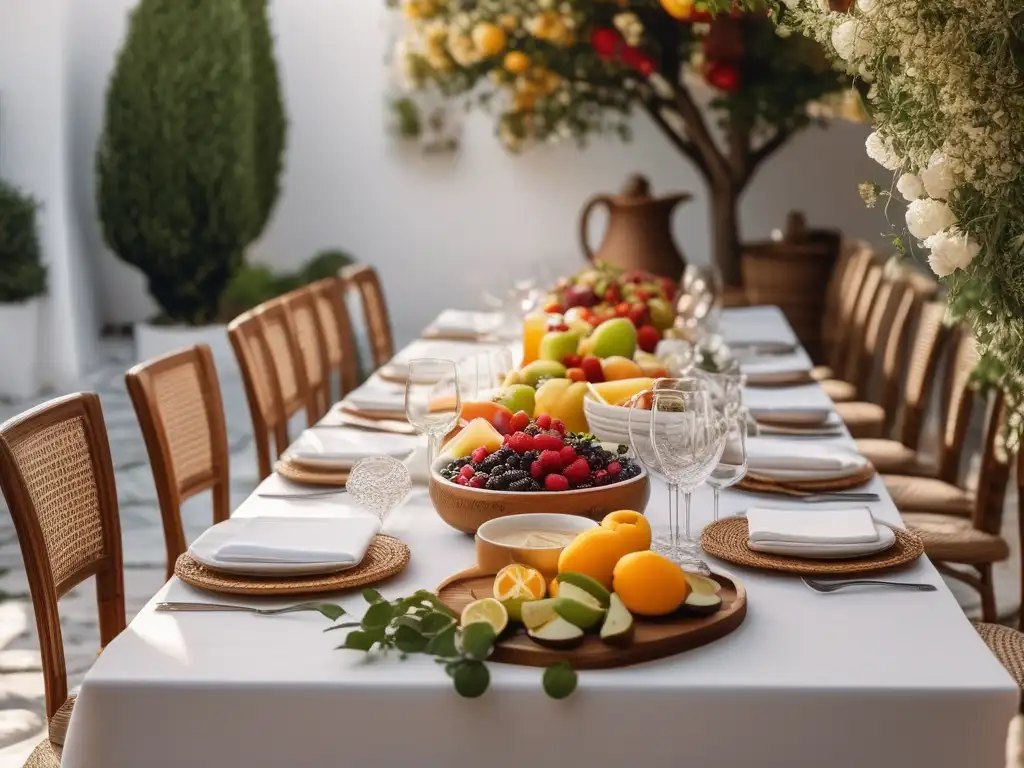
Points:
(760, 484)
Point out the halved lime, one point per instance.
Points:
(488, 610)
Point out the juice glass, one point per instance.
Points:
(534, 327)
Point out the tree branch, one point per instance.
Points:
(739, 152)
(718, 166)
(762, 153)
(688, 148)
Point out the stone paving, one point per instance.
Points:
(22, 722)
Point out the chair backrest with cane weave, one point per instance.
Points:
(906, 307)
(375, 310)
(958, 402)
(930, 335)
(261, 389)
(301, 306)
(178, 403)
(58, 479)
(337, 327)
(293, 392)
(869, 295)
(833, 290)
(994, 475)
(849, 294)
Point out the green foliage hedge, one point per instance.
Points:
(22, 274)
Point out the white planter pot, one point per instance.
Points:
(19, 349)
(156, 340)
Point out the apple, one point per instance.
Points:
(663, 315)
(613, 337)
(556, 345)
(540, 369)
(518, 397)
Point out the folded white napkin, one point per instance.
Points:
(803, 404)
(768, 370)
(340, 446)
(811, 526)
(296, 540)
(464, 321)
(765, 454)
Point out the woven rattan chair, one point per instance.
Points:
(375, 310)
(973, 541)
(900, 456)
(261, 389)
(311, 342)
(830, 316)
(1007, 645)
(293, 391)
(850, 279)
(177, 401)
(937, 489)
(342, 356)
(57, 477)
(843, 388)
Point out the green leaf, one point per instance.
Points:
(413, 622)
(471, 678)
(359, 641)
(477, 640)
(559, 680)
(343, 625)
(330, 610)
(443, 644)
(435, 623)
(435, 602)
(377, 615)
(408, 640)
(372, 596)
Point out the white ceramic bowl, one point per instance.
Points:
(492, 554)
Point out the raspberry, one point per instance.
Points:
(521, 442)
(551, 461)
(614, 468)
(592, 369)
(520, 421)
(466, 472)
(558, 425)
(543, 421)
(548, 443)
(578, 471)
(556, 482)
(537, 470)
(479, 480)
(601, 477)
(461, 480)
(568, 455)
(479, 454)
(506, 438)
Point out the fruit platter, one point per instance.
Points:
(613, 601)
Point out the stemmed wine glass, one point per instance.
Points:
(732, 466)
(700, 298)
(433, 400)
(726, 388)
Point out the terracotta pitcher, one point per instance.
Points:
(639, 232)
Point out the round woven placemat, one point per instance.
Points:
(385, 557)
(795, 379)
(309, 475)
(727, 539)
(760, 484)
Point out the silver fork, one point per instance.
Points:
(831, 586)
(839, 496)
(215, 607)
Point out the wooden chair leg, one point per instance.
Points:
(988, 593)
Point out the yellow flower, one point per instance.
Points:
(524, 101)
(418, 9)
(516, 62)
(489, 39)
(678, 9)
(550, 26)
(545, 81)
(509, 22)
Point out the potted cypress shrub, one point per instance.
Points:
(22, 283)
(187, 164)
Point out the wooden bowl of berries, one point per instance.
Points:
(482, 475)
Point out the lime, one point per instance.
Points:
(487, 610)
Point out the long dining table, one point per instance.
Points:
(855, 679)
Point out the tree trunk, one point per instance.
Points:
(725, 236)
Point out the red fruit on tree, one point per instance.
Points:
(638, 60)
(592, 369)
(606, 42)
(647, 338)
(520, 420)
(571, 361)
(556, 483)
(578, 471)
(724, 77)
(547, 443)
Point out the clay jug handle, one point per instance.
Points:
(585, 219)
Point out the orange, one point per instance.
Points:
(594, 553)
(497, 415)
(632, 526)
(619, 368)
(553, 588)
(649, 584)
(519, 581)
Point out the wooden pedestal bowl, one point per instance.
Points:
(466, 509)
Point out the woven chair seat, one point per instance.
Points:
(862, 419)
(928, 494)
(891, 457)
(45, 755)
(822, 372)
(955, 539)
(1007, 645)
(840, 391)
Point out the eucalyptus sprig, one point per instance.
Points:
(422, 623)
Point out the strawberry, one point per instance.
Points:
(479, 454)
(556, 483)
(544, 442)
(568, 455)
(479, 480)
(543, 421)
(521, 442)
(592, 369)
(647, 338)
(571, 361)
(578, 471)
(558, 425)
(537, 470)
(519, 421)
(550, 461)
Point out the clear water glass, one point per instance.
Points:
(433, 400)
(379, 484)
(701, 293)
(732, 466)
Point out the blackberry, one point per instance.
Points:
(528, 458)
(523, 484)
(588, 483)
(497, 483)
(516, 475)
(483, 475)
(503, 453)
(512, 462)
(595, 463)
(532, 429)
(534, 485)
(492, 461)
(622, 449)
(501, 469)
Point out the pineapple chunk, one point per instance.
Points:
(479, 432)
(619, 392)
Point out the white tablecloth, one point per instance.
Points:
(849, 680)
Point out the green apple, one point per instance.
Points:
(614, 337)
(513, 377)
(518, 397)
(541, 369)
(582, 327)
(618, 625)
(558, 345)
(557, 633)
(663, 315)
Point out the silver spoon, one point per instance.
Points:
(213, 607)
(831, 586)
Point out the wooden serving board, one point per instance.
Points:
(652, 639)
